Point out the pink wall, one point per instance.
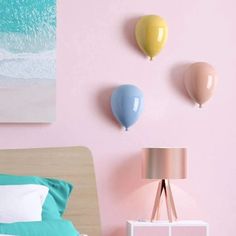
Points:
(96, 52)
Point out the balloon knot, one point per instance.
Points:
(126, 128)
(200, 105)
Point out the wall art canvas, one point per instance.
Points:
(27, 61)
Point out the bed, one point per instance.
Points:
(73, 164)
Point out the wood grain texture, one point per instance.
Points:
(73, 164)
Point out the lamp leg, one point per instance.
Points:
(172, 201)
(156, 207)
(168, 203)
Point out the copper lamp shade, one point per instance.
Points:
(164, 164)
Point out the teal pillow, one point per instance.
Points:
(40, 228)
(57, 198)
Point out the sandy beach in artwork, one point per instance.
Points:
(32, 100)
(27, 87)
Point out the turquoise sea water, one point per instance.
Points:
(27, 25)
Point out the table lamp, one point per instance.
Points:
(164, 164)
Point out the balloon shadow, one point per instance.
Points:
(129, 34)
(177, 80)
(103, 102)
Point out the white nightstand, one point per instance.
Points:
(165, 228)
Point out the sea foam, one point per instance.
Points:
(28, 65)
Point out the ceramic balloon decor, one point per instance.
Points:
(127, 103)
(151, 33)
(200, 81)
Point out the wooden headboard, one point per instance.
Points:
(73, 164)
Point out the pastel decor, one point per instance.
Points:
(151, 34)
(127, 103)
(200, 81)
(164, 164)
(27, 61)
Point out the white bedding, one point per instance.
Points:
(19, 203)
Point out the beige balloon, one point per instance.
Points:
(200, 81)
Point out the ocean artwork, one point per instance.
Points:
(27, 61)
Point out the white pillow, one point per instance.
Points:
(20, 203)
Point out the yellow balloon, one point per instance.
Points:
(151, 34)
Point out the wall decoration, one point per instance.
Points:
(127, 104)
(200, 81)
(151, 34)
(164, 164)
(27, 60)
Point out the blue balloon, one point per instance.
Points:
(127, 104)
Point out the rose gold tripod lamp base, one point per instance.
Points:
(164, 164)
(164, 189)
